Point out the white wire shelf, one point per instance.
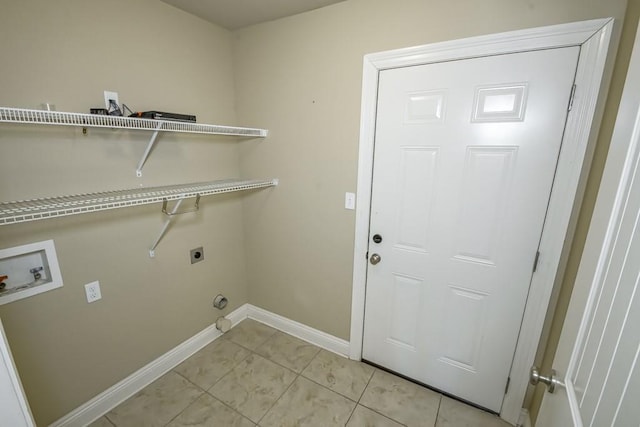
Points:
(52, 207)
(42, 117)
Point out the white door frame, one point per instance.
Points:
(581, 132)
(611, 206)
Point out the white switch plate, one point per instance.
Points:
(110, 95)
(349, 201)
(93, 291)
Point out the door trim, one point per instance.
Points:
(593, 74)
(613, 196)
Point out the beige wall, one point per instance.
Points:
(67, 52)
(301, 77)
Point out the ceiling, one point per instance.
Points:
(234, 14)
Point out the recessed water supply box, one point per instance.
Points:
(28, 270)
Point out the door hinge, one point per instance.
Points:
(506, 388)
(572, 97)
(535, 261)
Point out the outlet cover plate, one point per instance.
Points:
(93, 291)
(197, 255)
(110, 95)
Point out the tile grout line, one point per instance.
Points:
(334, 391)
(287, 367)
(275, 331)
(190, 403)
(368, 382)
(351, 414)
(320, 349)
(311, 360)
(206, 391)
(227, 406)
(327, 388)
(383, 415)
(231, 369)
(108, 420)
(279, 397)
(253, 352)
(176, 372)
(281, 365)
(435, 423)
(371, 409)
(298, 374)
(185, 408)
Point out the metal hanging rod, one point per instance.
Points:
(51, 207)
(196, 207)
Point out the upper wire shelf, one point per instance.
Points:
(43, 117)
(51, 207)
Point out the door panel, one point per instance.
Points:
(416, 197)
(406, 303)
(464, 160)
(488, 172)
(465, 319)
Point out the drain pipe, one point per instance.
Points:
(222, 324)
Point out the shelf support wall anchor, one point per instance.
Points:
(152, 141)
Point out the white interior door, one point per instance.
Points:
(465, 155)
(598, 354)
(14, 409)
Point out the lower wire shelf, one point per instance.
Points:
(52, 207)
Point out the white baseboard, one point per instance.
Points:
(115, 395)
(525, 419)
(304, 332)
(112, 397)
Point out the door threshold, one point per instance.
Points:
(437, 390)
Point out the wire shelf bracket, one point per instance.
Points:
(165, 227)
(170, 215)
(146, 153)
(60, 118)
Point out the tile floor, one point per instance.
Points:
(257, 376)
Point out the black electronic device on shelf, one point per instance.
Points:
(162, 115)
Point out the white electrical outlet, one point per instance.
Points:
(93, 291)
(108, 95)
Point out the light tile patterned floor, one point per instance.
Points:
(257, 376)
